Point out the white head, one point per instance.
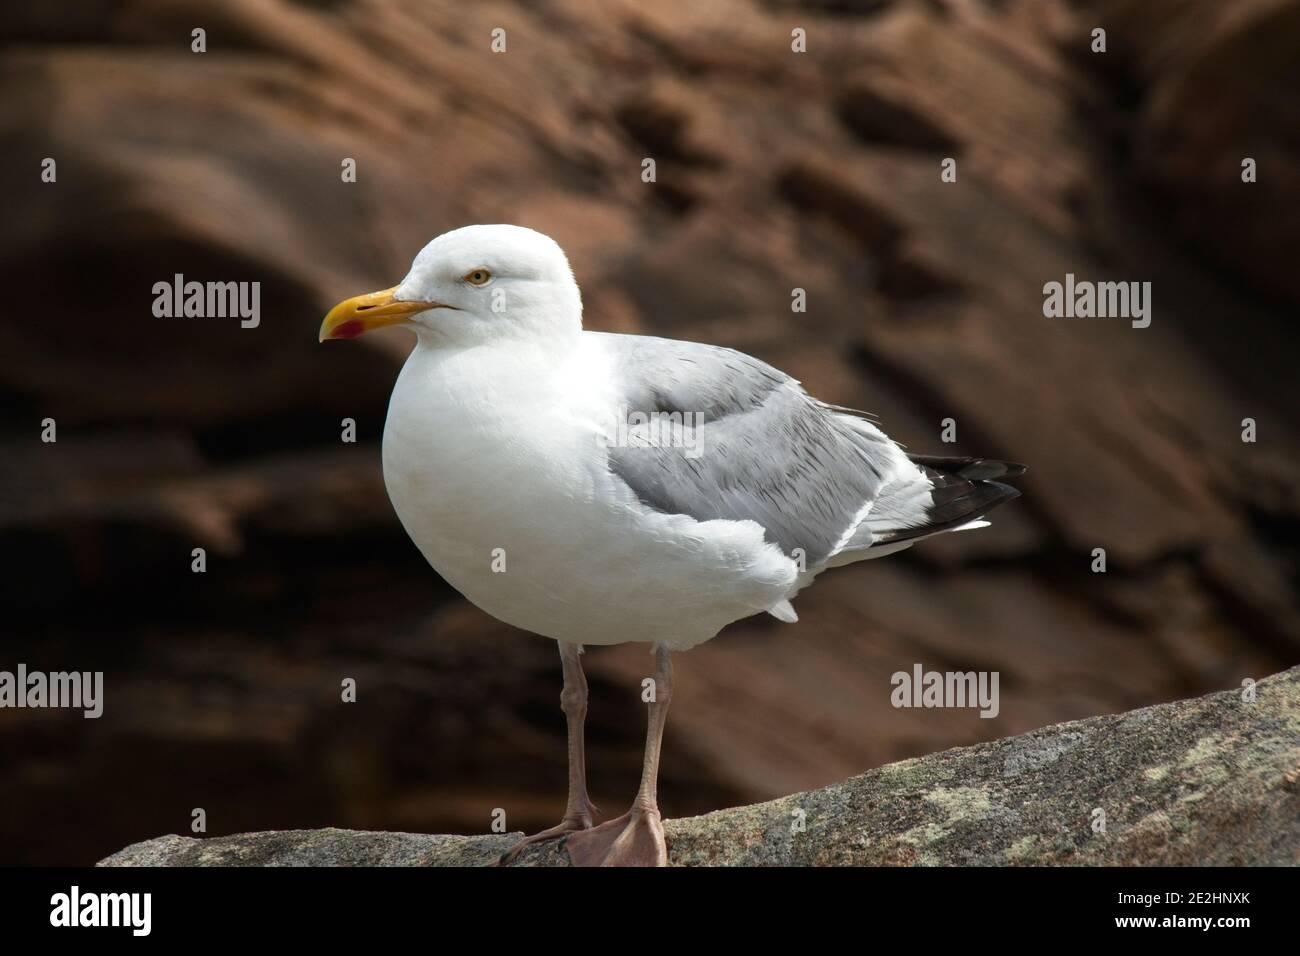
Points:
(473, 285)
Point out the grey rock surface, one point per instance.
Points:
(1209, 781)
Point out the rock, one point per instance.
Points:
(1209, 781)
(327, 847)
(1216, 84)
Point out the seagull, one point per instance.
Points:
(600, 489)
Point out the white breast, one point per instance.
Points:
(494, 457)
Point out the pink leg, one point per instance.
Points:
(637, 837)
(579, 810)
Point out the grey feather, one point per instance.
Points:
(768, 452)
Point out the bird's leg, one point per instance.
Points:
(573, 701)
(637, 837)
(579, 810)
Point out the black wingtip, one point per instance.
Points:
(955, 502)
(972, 469)
(1004, 492)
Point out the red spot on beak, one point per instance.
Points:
(348, 330)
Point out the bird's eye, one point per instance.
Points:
(477, 277)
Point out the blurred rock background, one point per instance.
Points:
(775, 170)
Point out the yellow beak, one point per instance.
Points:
(374, 310)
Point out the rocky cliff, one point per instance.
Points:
(1211, 781)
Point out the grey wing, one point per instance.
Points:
(763, 449)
